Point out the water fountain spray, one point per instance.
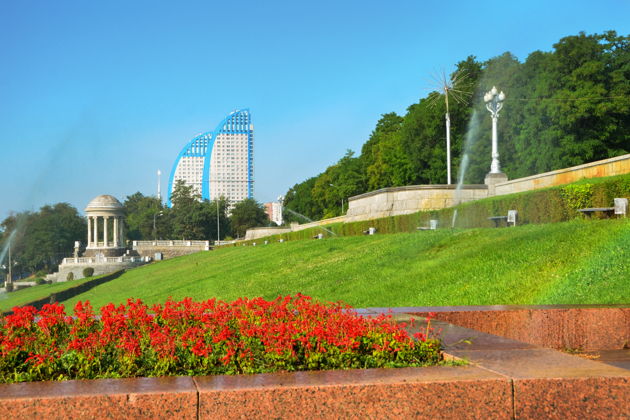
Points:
(449, 86)
(309, 220)
(472, 134)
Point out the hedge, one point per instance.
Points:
(549, 205)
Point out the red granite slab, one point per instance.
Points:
(586, 327)
(456, 337)
(538, 363)
(574, 398)
(138, 398)
(551, 384)
(619, 358)
(431, 392)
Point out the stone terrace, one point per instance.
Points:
(506, 379)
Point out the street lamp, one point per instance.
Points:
(159, 213)
(494, 104)
(218, 225)
(8, 267)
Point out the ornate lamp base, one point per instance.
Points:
(492, 179)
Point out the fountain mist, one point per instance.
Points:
(472, 134)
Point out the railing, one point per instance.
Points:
(102, 260)
(171, 243)
(110, 244)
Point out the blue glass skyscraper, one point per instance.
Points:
(219, 163)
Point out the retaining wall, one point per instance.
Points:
(395, 201)
(609, 167)
(585, 327)
(169, 249)
(99, 269)
(261, 232)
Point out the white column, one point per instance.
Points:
(116, 232)
(495, 167)
(448, 152)
(121, 226)
(95, 236)
(89, 229)
(105, 238)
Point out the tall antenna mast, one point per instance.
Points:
(159, 193)
(449, 86)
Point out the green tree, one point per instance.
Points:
(564, 107)
(42, 239)
(218, 208)
(140, 212)
(337, 183)
(247, 214)
(299, 205)
(190, 218)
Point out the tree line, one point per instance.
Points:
(41, 239)
(190, 217)
(564, 107)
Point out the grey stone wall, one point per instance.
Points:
(167, 251)
(99, 269)
(619, 165)
(395, 201)
(261, 232)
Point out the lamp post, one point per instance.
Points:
(334, 186)
(218, 226)
(159, 213)
(9, 268)
(494, 103)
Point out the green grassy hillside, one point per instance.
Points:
(29, 294)
(571, 262)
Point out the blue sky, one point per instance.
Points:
(95, 97)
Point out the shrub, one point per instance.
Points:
(88, 272)
(40, 281)
(70, 276)
(576, 196)
(202, 338)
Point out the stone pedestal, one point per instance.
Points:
(106, 252)
(492, 179)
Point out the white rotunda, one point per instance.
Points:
(105, 233)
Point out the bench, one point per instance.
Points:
(433, 225)
(608, 211)
(620, 209)
(510, 219)
(497, 220)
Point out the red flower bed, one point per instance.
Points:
(201, 338)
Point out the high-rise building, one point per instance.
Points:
(219, 163)
(274, 211)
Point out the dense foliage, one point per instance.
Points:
(190, 217)
(202, 338)
(563, 108)
(41, 239)
(247, 214)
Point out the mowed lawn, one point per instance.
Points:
(574, 262)
(29, 294)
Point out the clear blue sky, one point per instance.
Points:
(96, 96)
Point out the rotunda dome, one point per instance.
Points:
(104, 202)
